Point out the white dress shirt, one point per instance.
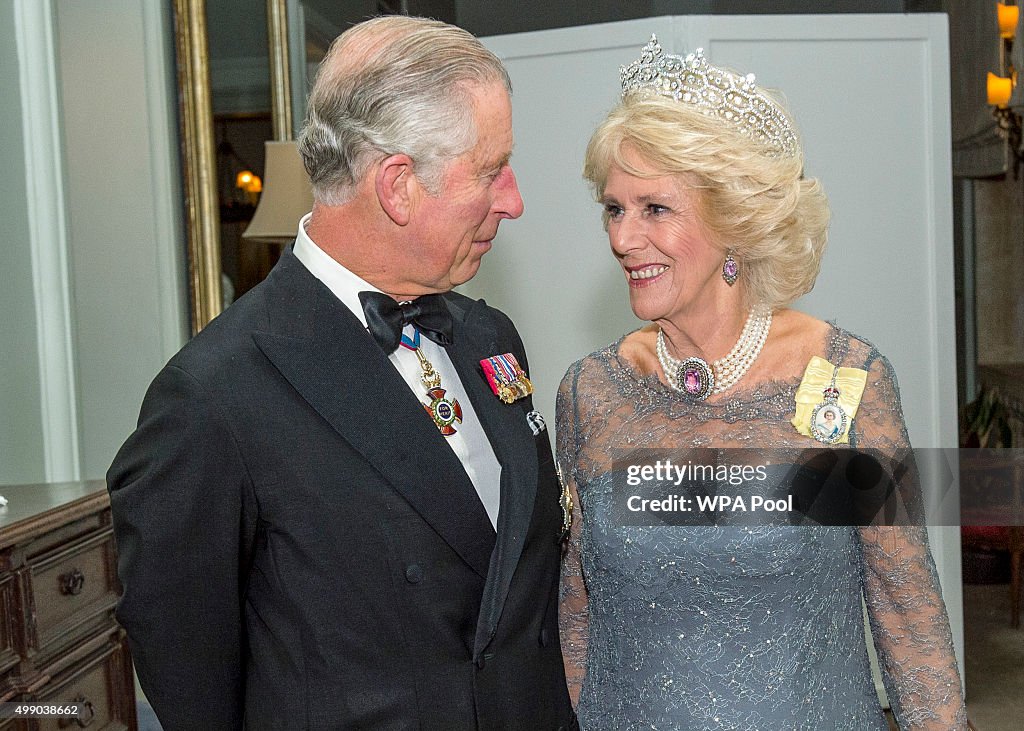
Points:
(469, 442)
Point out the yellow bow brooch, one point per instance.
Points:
(827, 401)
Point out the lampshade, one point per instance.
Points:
(287, 195)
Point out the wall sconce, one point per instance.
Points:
(238, 187)
(251, 184)
(1004, 96)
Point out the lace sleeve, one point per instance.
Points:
(572, 608)
(901, 586)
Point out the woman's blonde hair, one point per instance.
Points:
(756, 205)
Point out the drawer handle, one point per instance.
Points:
(72, 582)
(85, 715)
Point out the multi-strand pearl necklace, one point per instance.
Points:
(697, 379)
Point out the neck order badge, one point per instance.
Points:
(445, 412)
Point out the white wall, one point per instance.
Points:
(126, 247)
(94, 291)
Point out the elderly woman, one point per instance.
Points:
(731, 627)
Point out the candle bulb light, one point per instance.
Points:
(999, 90)
(1007, 16)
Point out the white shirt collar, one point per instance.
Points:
(345, 285)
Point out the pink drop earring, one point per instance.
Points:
(730, 269)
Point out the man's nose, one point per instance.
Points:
(508, 202)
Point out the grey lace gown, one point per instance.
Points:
(733, 627)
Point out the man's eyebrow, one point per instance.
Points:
(491, 171)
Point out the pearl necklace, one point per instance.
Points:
(697, 379)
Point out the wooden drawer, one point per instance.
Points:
(72, 589)
(96, 683)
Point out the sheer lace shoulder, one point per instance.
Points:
(879, 423)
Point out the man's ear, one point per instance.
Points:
(395, 185)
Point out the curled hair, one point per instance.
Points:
(393, 85)
(759, 206)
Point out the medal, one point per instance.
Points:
(826, 401)
(443, 411)
(829, 420)
(506, 377)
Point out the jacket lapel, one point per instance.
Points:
(326, 355)
(506, 428)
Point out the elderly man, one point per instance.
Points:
(340, 509)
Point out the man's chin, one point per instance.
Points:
(466, 272)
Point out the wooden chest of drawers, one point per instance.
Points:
(59, 641)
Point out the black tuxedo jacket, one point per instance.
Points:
(299, 548)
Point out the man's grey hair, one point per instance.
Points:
(393, 85)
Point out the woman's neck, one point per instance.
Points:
(708, 331)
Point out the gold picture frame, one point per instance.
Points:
(198, 146)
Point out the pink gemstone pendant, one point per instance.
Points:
(696, 378)
(691, 381)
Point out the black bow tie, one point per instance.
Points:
(385, 318)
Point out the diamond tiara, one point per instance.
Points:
(715, 92)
